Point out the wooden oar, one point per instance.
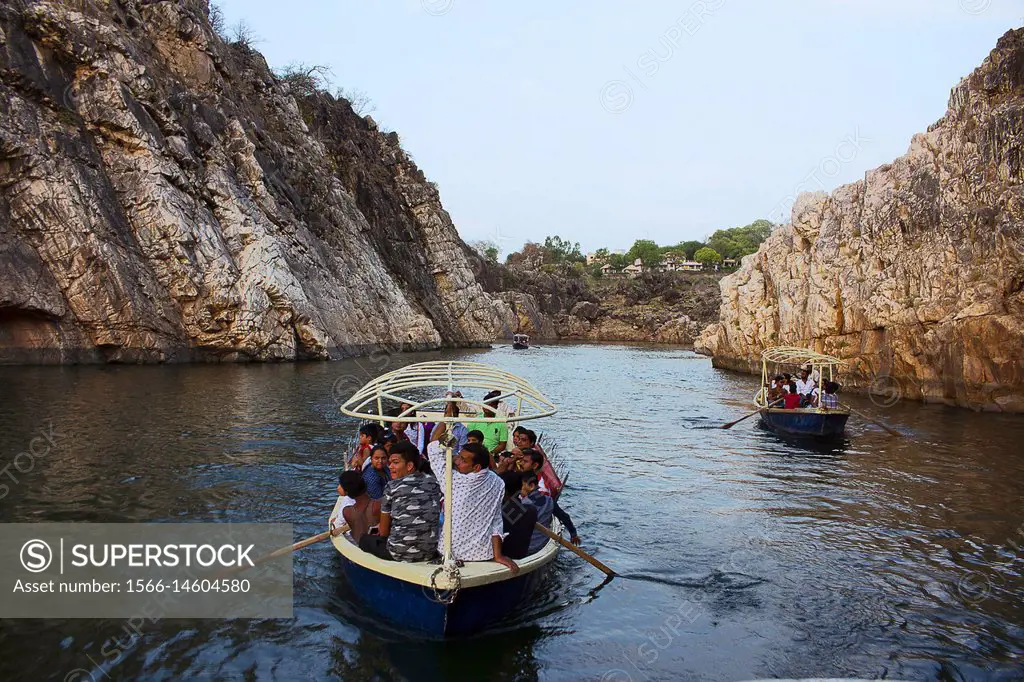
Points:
(287, 549)
(568, 545)
(877, 423)
(732, 424)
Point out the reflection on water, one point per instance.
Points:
(742, 555)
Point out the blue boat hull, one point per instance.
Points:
(798, 423)
(412, 607)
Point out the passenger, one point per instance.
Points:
(377, 475)
(475, 507)
(410, 511)
(365, 513)
(398, 431)
(474, 436)
(536, 462)
(830, 401)
(545, 506)
(518, 519)
(458, 429)
(792, 398)
(414, 431)
(804, 385)
(547, 472)
(368, 434)
(495, 434)
(777, 391)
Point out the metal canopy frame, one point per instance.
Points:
(797, 356)
(449, 376)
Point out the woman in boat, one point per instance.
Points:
(376, 476)
(778, 389)
(364, 513)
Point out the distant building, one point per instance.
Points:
(690, 266)
(633, 269)
(729, 263)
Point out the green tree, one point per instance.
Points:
(602, 255)
(647, 251)
(707, 256)
(690, 248)
(618, 261)
(563, 251)
(737, 242)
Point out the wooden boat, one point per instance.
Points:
(446, 598)
(806, 421)
(520, 341)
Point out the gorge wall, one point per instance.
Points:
(913, 275)
(164, 197)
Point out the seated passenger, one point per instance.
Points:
(376, 476)
(475, 507)
(365, 513)
(547, 472)
(495, 434)
(410, 511)
(545, 506)
(777, 391)
(545, 485)
(792, 398)
(548, 482)
(830, 401)
(474, 436)
(398, 430)
(368, 434)
(518, 518)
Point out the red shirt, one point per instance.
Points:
(792, 401)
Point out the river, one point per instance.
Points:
(742, 555)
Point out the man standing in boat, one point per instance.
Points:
(475, 508)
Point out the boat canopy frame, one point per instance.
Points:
(449, 376)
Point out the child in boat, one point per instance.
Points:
(376, 475)
(364, 513)
(368, 434)
(518, 518)
(545, 506)
(778, 389)
(792, 398)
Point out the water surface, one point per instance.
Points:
(742, 555)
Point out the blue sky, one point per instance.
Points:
(605, 122)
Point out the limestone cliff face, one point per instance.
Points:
(164, 197)
(914, 275)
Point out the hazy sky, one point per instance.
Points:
(605, 122)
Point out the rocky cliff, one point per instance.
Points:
(164, 197)
(913, 275)
(653, 308)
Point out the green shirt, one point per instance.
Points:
(494, 433)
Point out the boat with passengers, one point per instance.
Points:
(824, 417)
(520, 341)
(445, 597)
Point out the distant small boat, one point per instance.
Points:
(803, 421)
(520, 341)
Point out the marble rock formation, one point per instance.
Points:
(165, 197)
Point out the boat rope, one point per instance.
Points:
(451, 571)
